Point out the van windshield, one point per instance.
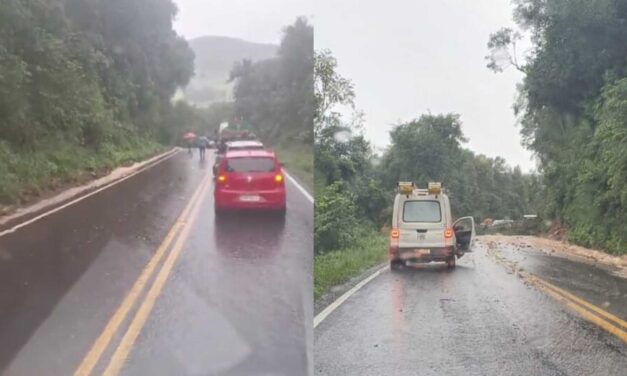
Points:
(422, 211)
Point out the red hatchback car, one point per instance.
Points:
(250, 179)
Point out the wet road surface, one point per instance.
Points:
(234, 300)
(480, 319)
(596, 283)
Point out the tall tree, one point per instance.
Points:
(275, 96)
(571, 94)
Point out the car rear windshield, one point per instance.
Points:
(422, 211)
(250, 164)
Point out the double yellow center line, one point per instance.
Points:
(181, 229)
(605, 320)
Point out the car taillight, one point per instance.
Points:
(278, 178)
(222, 179)
(448, 233)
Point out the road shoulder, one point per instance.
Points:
(66, 197)
(335, 292)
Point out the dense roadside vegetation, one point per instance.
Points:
(573, 110)
(274, 98)
(355, 187)
(84, 86)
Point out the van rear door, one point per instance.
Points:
(421, 224)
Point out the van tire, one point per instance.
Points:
(396, 265)
(450, 263)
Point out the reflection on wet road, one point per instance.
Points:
(236, 299)
(476, 320)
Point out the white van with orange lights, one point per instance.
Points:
(423, 229)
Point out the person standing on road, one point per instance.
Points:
(203, 144)
(190, 143)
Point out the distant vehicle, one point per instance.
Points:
(250, 179)
(234, 135)
(244, 145)
(502, 222)
(423, 230)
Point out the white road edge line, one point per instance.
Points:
(81, 198)
(300, 187)
(333, 306)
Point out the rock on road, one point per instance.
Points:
(480, 319)
(237, 300)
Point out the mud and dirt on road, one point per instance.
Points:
(563, 249)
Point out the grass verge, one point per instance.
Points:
(28, 175)
(298, 160)
(334, 268)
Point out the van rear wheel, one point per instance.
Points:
(396, 264)
(450, 263)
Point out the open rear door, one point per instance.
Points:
(464, 234)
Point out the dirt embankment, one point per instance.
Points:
(560, 248)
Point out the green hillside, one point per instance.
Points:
(215, 57)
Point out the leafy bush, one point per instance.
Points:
(336, 222)
(333, 268)
(24, 174)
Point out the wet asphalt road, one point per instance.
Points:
(237, 300)
(479, 319)
(596, 283)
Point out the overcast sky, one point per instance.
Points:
(407, 57)
(254, 20)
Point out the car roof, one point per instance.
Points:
(265, 153)
(243, 143)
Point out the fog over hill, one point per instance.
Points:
(215, 56)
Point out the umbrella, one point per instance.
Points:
(189, 135)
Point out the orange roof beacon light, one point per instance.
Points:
(435, 188)
(406, 187)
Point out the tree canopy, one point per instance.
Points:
(571, 109)
(275, 95)
(355, 187)
(85, 76)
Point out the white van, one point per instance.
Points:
(423, 229)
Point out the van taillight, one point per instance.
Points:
(394, 235)
(222, 179)
(278, 178)
(448, 233)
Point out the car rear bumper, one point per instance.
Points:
(422, 255)
(228, 199)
